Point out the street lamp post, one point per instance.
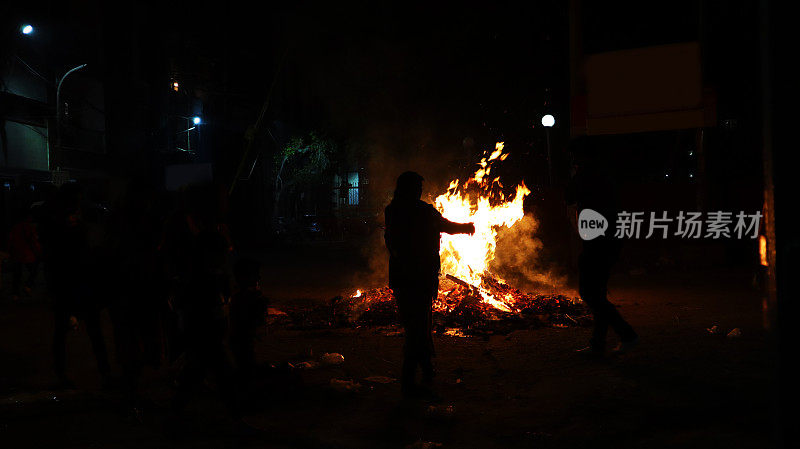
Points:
(196, 121)
(548, 121)
(58, 110)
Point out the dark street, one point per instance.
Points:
(412, 225)
(686, 387)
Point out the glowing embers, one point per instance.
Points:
(459, 305)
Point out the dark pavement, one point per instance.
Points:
(682, 387)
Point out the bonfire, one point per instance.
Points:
(471, 298)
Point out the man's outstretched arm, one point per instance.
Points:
(450, 227)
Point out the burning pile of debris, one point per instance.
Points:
(471, 299)
(462, 309)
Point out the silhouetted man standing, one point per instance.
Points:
(135, 231)
(197, 256)
(593, 187)
(413, 229)
(71, 279)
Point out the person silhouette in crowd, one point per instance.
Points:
(593, 186)
(248, 313)
(70, 278)
(198, 251)
(136, 308)
(412, 236)
(24, 251)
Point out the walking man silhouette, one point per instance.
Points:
(594, 187)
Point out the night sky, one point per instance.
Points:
(406, 81)
(420, 75)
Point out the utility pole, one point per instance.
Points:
(254, 130)
(58, 111)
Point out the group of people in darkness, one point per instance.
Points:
(174, 287)
(168, 277)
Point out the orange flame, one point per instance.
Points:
(467, 257)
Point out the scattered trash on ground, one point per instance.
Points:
(538, 435)
(275, 312)
(331, 358)
(423, 445)
(277, 316)
(380, 379)
(307, 365)
(440, 411)
(736, 332)
(345, 385)
(38, 397)
(326, 359)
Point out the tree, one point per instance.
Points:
(301, 163)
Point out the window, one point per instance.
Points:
(352, 196)
(345, 189)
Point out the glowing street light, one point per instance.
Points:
(26, 29)
(548, 121)
(196, 120)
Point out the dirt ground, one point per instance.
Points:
(682, 387)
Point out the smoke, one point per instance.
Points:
(392, 150)
(520, 259)
(376, 272)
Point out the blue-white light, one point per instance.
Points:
(196, 120)
(27, 29)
